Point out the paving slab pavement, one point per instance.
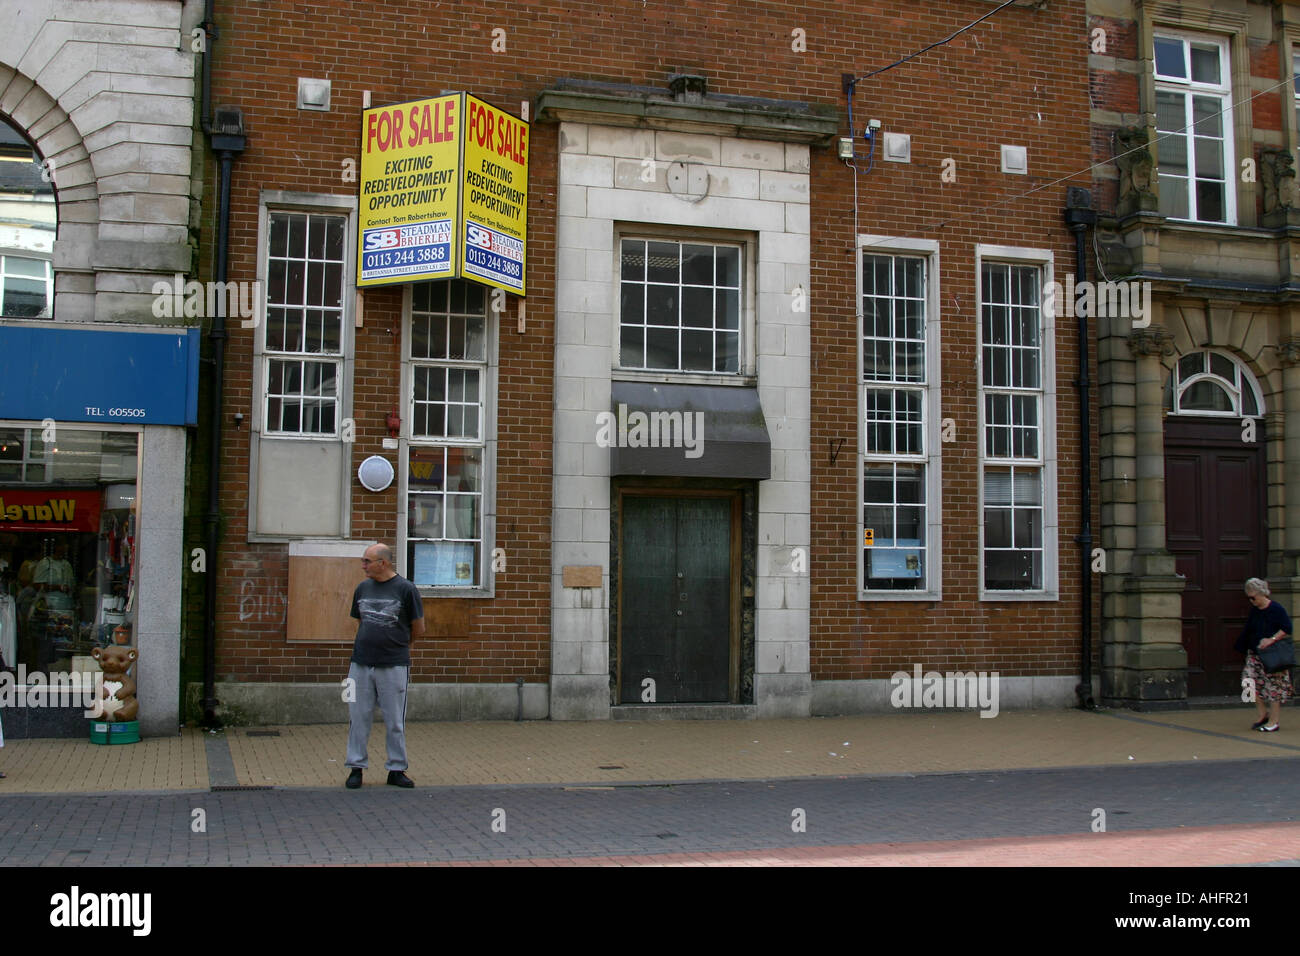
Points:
(1229, 845)
(494, 753)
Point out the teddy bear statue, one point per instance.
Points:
(118, 698)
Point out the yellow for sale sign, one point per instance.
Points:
(444, 193)
(495, 197)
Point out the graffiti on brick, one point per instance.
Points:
(258, 607)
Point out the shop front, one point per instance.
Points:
(92, 481)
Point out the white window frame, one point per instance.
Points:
(1295, 99)
(931, 405)
(1046, 460)
(326, 204)
(747, 373)
(5, 275)
(1245, 380)
(1190, 88)
(485, 586)
(343, 361)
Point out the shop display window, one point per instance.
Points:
(68, 544)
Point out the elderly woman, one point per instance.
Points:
(1267, 624)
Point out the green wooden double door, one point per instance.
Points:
(679, 597)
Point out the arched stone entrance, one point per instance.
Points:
(1215, 508)
(1195, 452)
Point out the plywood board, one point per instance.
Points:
(320, 599)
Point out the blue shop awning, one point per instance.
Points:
(80, 374)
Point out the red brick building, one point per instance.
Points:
(886, 461)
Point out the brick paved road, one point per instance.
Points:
(384, 825)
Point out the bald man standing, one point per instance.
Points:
(391, 617)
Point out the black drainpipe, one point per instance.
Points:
(226, 137)
(1078, 217)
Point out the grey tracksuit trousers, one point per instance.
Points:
(387, 687)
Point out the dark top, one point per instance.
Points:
(1261, 625)
(385, 610)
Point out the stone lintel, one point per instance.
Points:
(648, 108)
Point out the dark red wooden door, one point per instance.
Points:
(1215, 528)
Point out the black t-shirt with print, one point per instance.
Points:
(385, 610)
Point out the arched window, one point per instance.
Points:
(1211, 383)
(28, 222)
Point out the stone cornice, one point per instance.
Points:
(618, 104)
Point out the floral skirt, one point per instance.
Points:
(1268, 687)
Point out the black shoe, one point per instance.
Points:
(397, 778)
(354, 779)
(1267, 728)
(1259, 723)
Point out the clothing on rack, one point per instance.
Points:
(8, 630)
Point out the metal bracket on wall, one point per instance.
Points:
(833, 446)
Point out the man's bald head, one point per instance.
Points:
(378, 562)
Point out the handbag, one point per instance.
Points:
(1278, 656)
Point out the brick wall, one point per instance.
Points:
(1019, 78)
